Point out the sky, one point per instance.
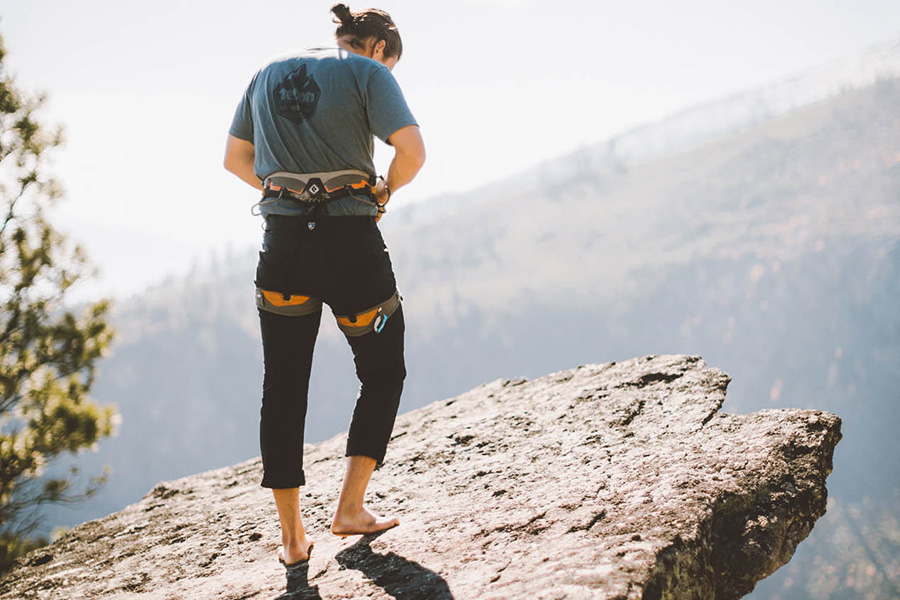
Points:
(146, 93)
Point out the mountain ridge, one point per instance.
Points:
(687, 128)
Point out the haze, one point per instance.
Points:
(146, 93)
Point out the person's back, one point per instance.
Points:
(317, 111)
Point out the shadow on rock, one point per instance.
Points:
(401, 578)
(298, 587)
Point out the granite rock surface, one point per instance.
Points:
(613, 481)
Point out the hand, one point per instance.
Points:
(382, 197)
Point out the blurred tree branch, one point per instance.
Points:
(47, 353)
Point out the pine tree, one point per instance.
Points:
(47, 352)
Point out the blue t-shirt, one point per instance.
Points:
(316, 112)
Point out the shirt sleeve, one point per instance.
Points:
(242, 123)
(386, 107)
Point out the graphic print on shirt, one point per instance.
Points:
(297, 96)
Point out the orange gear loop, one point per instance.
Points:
(289, 305)
(296, 305)
(373, 319)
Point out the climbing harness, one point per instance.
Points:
(373, 319)
(296, 305)
(317, 189)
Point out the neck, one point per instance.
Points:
(342, 43)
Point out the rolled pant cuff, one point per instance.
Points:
(357, 451)
(282, 483)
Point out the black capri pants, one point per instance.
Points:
(344, 262)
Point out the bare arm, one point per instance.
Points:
(409, 156)
(239, 157)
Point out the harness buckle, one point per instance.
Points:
(315, 188)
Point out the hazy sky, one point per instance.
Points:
(146, 92)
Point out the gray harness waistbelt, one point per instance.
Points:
(317, 188)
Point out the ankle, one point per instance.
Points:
(293, 539)
(349, 509)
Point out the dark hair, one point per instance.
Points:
(365, 24)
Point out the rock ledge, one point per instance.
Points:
(612, 481)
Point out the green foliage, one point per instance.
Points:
(47, 353)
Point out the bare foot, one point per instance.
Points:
(296, 553)
(362, 522)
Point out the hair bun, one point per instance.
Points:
(358, 28)
(342, 12)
